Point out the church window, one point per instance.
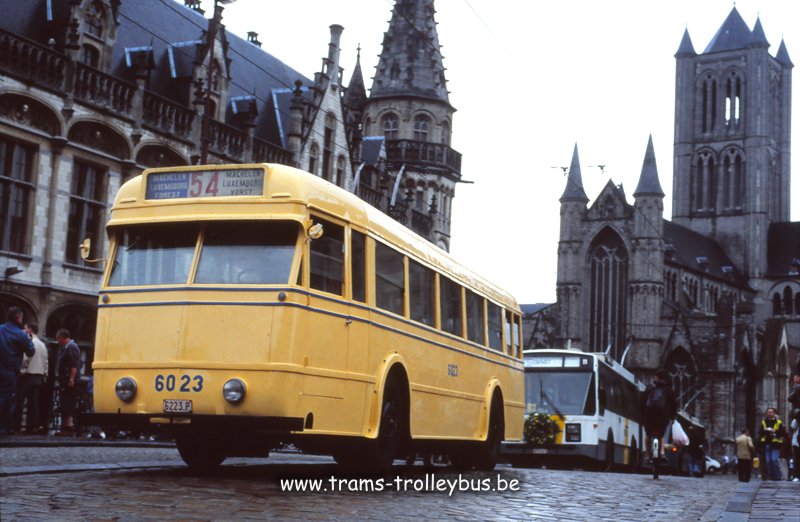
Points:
(703, 183)
(776, 304)
(609, 283)
(421, 124)
(709, 107)
(733, 97)
(787, 301)
(732, 180)
(683, 371)
(390, 126)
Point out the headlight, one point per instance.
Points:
(573, 432)
(234, 391)
(126, 389)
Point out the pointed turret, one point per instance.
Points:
(783, 55)
(356, 94)
(649, 184)
(410, 63)
(574, 190)
(733, 34)
(686, 48)
(758, 38)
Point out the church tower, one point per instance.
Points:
(732, 128)
(409, 106)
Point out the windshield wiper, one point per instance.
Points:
(545, 398)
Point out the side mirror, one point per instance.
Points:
(315, 231)
(86, 247)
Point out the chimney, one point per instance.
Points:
(333, 53)
(194, 5)
(252, 37)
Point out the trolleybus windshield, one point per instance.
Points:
(560, 392)
(232, 252)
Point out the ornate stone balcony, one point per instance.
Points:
(423, 153)
(166, 116)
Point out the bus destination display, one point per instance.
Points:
(205, 184)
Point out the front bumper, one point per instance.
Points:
(172, 422)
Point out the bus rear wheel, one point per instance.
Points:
(200, 453)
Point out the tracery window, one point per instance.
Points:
(609, 280)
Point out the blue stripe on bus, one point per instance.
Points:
(307, 293)
(326, 312)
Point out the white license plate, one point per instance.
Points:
(539, 451)
(177, 406)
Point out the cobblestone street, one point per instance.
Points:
(250, 489)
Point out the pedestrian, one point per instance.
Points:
(794, 396)
(795, 425)
(68, 372)
(771, 438)
(14, 343)
(31, 378)
(745, 451)
(659, 407)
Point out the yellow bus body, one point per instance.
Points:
(318, 359)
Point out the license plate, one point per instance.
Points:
(539, 451)
(177, 406)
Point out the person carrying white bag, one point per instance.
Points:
(659, 408)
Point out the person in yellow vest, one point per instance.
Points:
(771, 439)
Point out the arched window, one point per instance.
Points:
(787, 301)
(390, 124)
(609, 279)
(733, 100)
(421, 124)
(732, 180)
(776, 304)
(445, 133)
(703, 183)
(312, 158)
(367, 127)
(683, 371)
(327, 147)
(708, 90)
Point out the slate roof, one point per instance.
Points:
(733, 34)
(783, 248)
(648, 180)
(373, 149)
(574, 189)
(699, 253)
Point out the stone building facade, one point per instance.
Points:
(713, 295)
(94, 91)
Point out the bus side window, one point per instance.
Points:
(327, 259)
(474, 317)
(494, 321)
(421, 286)
(518, 335)
(358, 263)
(450, 303)
(389, 279)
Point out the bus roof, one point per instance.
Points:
(287, 185)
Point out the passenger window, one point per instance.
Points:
(389, 279)
(327, 258)
(517, 330)
(494, 323)
(474, 317)
(450, 298)
(508, 327)
(421, 286)
(359, 265)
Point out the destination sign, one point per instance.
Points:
(205, 184)
(556, 361)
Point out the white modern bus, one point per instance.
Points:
(587, 407)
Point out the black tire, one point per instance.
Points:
(609, 464)
(200, 453)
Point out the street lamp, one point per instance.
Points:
(205, 139)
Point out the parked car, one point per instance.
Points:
(712, 465)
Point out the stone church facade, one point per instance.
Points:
(712, 295)
(92, 92)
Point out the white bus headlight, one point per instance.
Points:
(126, 389)
(234, 391)
(573, 432)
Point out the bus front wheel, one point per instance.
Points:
(200, 453)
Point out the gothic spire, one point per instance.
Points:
(410, 63)
(648, 180)
(686, 48)
(783, 55)
(356, 94)
(574, 190)
(758, 38)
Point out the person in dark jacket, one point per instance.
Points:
(14, 342)
(659, 407)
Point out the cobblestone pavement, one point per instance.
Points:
(250, 489)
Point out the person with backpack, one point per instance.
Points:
(659, 407)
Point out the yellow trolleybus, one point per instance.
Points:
(246, 306)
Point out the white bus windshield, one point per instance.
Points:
(233, 252)
(562, 393)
